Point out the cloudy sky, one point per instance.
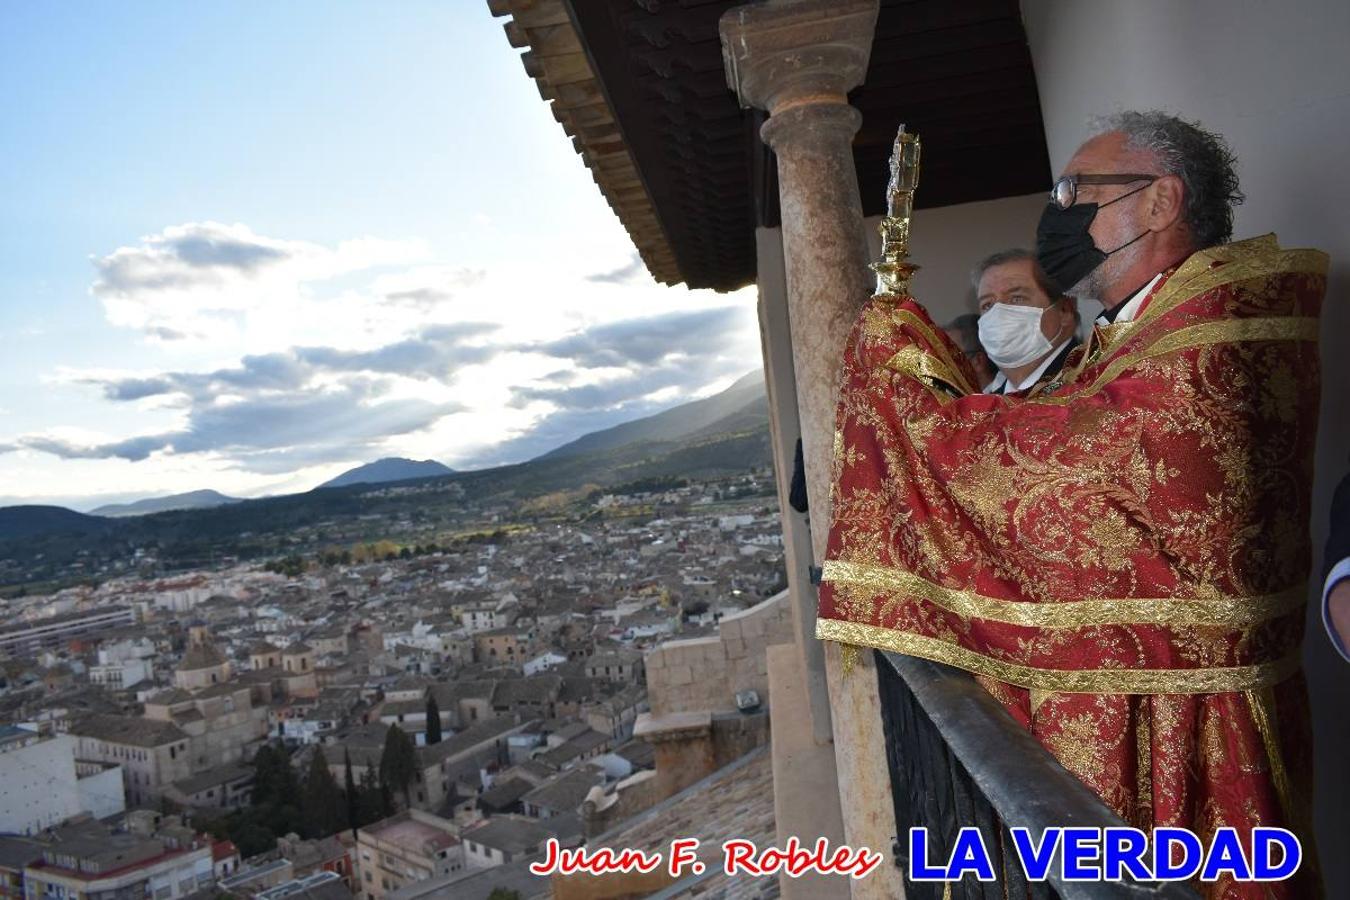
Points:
(246, 246)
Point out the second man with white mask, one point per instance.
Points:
(1026, 329)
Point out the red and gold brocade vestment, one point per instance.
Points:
(1121, 558)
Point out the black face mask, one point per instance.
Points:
(1065, 249)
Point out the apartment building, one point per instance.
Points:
(403, 849)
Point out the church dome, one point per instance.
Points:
(201, 656)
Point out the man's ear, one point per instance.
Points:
(1068, 308)
(1167, 203)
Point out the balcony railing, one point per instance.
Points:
(958, 759)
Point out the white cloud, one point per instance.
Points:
(195, 279)
(265, 364)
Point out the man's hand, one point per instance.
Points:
(1338, 608)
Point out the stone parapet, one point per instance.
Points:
(704, 674)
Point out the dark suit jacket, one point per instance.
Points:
(1057, 364)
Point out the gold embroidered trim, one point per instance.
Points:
(1295, 805)
(1229, 612)
(1069, 681)
(1262, 703)
(926, 368)
(1257, 257)
(1269, 328)
(958, 380)
(1143, 763)
(1113, 335)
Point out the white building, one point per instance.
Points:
(124, 650)
(543, 663)
(487, 616)
(314, 728)
(181, 598)
(41, 785)
(123, 674)
(628, 606)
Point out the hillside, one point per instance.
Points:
(707, 416)
(190, 500)
(722, 436)
(391, 468)
(21, 522)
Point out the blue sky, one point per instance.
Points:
(248, 245)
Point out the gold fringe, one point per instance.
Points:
(848, 657)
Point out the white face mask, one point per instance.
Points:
(1012, 336)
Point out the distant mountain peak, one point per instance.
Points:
(391, 468)
(204, 499)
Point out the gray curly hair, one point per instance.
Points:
(1200, 158)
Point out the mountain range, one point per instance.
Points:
(190, 500)
(721, 434)
(746, 395)
(391, 468)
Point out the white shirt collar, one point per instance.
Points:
(1338, 572)
(1000, 383)
(1131, 307)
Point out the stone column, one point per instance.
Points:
(798, 59)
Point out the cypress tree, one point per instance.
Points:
(372, 802)
(433, 720)
(352, 797)
(398, 762)
(323, 809)
(265, 785)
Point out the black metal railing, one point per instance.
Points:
(957, 759)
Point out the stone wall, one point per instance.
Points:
(705, 673)
(600, 811)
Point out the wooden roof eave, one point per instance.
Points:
(557, 62)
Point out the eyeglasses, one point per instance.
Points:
(1065, 192)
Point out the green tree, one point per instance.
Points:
(276, 791)
(264, 775)
(274, 782)
(371, 800)
(433, 720)
(352, 795)
(324, 807)
(250, 836)
(398, 762)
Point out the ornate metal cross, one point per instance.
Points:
(893, 272)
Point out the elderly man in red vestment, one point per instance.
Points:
(1120, 556)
